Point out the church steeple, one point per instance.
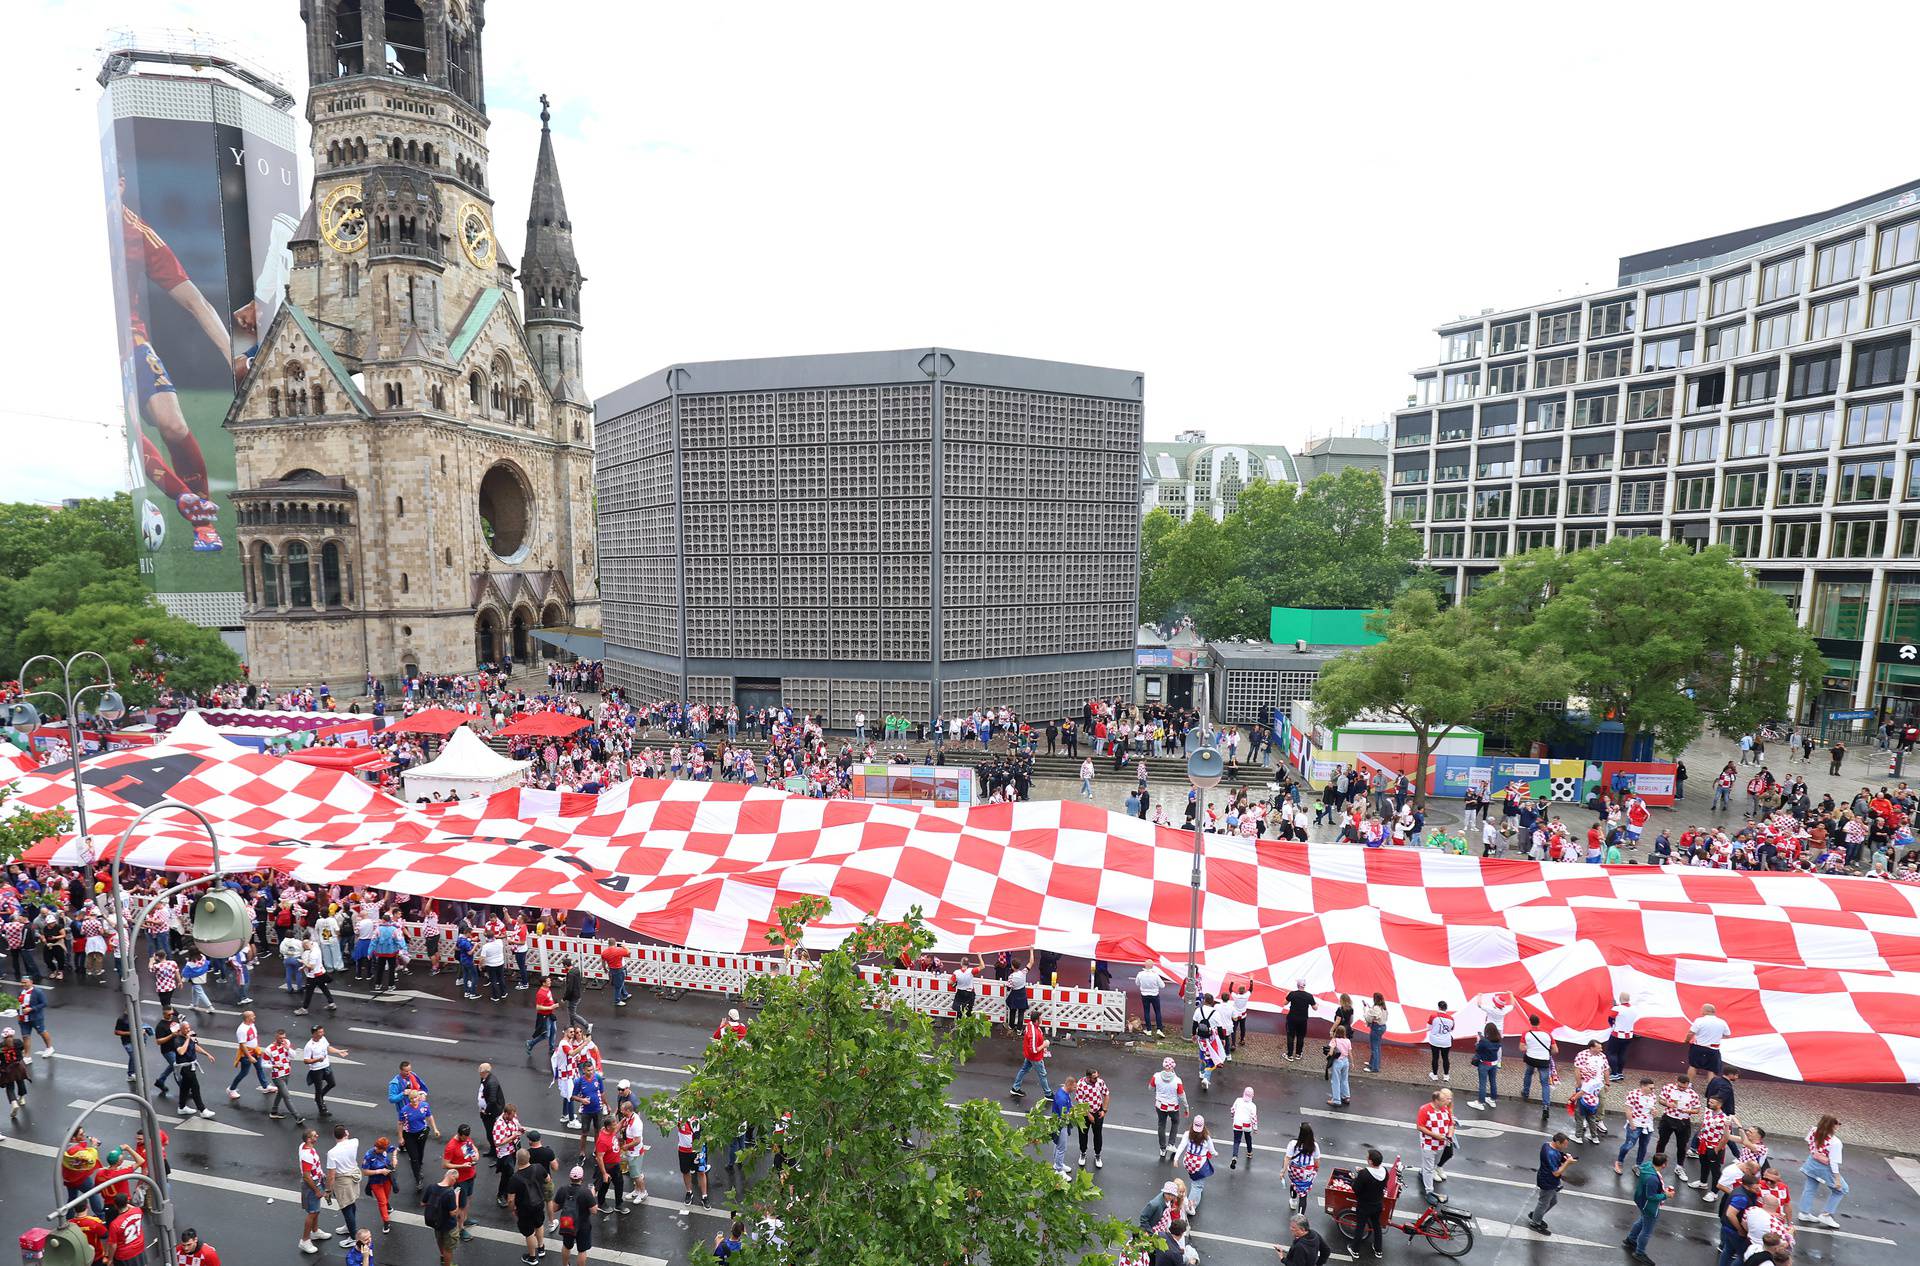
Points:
(550, 275)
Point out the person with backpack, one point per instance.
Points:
(573, 1209)
(442, 1215)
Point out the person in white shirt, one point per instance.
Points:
(318, 1056)
(493, 957)
(1440, 1044)
(1150, 982)
(343, 1182)
(246, 1042)
(963, 991)
(1703, 1040)
(1620, 1036)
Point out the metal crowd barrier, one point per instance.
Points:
(665, 967)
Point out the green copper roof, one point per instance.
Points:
(476, 318)
(325, 351)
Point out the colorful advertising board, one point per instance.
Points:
(202, 197)
(1179, 659)
(946, 785)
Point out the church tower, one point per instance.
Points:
(415, 461)
(550, 277)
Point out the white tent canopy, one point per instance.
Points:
(466, 767)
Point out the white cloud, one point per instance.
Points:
(1266, 208)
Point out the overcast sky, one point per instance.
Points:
(1266, 208)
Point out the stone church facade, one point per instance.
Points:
(414, 442)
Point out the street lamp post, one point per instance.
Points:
(1205, 768)
(215, 914)
(25, 716)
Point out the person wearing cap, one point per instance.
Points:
(1169, 1101)
(732, 1024)
(377, 1167)
(573, 1208)
(1196, 1158)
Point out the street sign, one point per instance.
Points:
(1856, 714)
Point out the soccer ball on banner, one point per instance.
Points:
(153, 526)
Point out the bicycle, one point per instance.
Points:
(1447, 1229)
(1774, 733)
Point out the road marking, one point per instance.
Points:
(84, 1059)
(411, 1037)
(1907, 1169)
(682, 1071)
(401, 1216)
(199, 1125)
(1465, 1127)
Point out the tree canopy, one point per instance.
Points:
(879, 1168)
(68, 583)
(1438, 669)
(1327, 545)
(1654, 635)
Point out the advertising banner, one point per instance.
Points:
(200, 210)
(1652, 781)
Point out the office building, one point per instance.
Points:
(1189, 475)
(916, 532)
(1754, 389)
(1331, 454)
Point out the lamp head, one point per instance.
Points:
(1205, 767)
(110, 706)
(67, 1247)
(221, 924)
(21, 715)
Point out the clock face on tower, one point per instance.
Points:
(476, 234)
(343, 222)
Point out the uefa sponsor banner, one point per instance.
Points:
(200, 209)
(1652, 781)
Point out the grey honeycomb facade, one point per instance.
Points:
(919, 532)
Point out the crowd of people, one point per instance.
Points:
(59, 925)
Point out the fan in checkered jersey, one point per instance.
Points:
(1815, 974)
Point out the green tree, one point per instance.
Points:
(859, 1070)
(20, 831)
(1327, 545)
(145, 644)
(1438, 669)
(1658, 637)
(33, 534)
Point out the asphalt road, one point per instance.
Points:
(235, 1178)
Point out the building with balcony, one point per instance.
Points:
(1754, 389)
(913, 532)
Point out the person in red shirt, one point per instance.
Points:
(614, 955)
(1033, 1054)
(119, 1163)
(544, 1022)
(127, 1234)
(462, 1156)
(193, 1251)
(732, 1024)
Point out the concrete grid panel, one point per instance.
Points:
(906, 413)
(800, 417)
(855, 633)
(853, 414)
(750, 419)
(906, 634)
(856, 694)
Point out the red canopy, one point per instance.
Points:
(542, 725)
(359, 760)
(440, 721)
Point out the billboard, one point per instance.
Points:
(202, 197)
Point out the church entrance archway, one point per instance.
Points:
(522, 640)
(487, 642)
